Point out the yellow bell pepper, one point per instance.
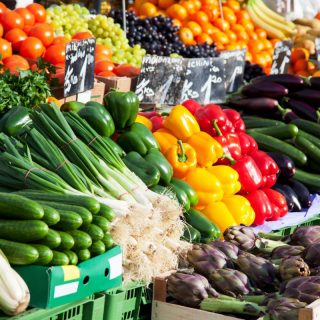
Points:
(240, 209)
(208, 149)
(181, 123)
(165, 139)
(228, 177)
(145, 121)
(53, 99)
(207, 186)
(219, 214)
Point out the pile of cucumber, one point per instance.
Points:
(52, 229)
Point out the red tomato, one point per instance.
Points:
(55, 54)
(27, 16)
(43, 32)
(60, 40)
(103, 65)
(11, 20)
(126, 70)
(32, 48)
(1, 30)
(27, 29)
(16, 59)
(38, 11)
(3, 8)
(106, 74)
(101, 49)
(5, 48)
(101, 56)
(16, 36)
(82, 35)
(59, 75)
(15, 66)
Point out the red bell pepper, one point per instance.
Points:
(235, 118)
(157, 122)
(247, 143)
(191, 105)
(148, 114)
(261, 206)
(267, 166)
(278, 201)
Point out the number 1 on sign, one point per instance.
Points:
(284, 64)
(83, 74)
(207, 89)
(164, 89)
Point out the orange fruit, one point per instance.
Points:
(242, 35)
(209, 29)
(189, 6)
(200, 17)
(260, 59)
(220, 37)
(210, 3)
(177, 23)
(197, 4)
(267, 44)
(274, 41)
(242, 14)
(255, 46)
(186, 36)
(148, 9)
(229, 15)
(194, 27)
(242, 44)
(252, 35)
(212, 13)
(231, 35)
(299, 54)
(165, 4)
(261, 33)
(267, 57)
(237, 27)
(204, 37)
(223, 25)
(311, 66)
(300, 65)
(232, 46)
(249, 56)
(177, 11)
(220, 46)
(248, 25)
(162, 13)
(234, 5)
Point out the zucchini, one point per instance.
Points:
(19, 253)
(267, 143)
(51, 215)
(83, 255)
(288, 131)
(69, 220)
(23, 230)
(311, 180)
(82, 201)
(97, 248)
(106, 212)
(311, 150)
(101, 222)
(45, 254)
(84, 213)
(108, 241)
(81, 239)
(73, 258)
(255, 122)
(13, 206)
(67, 242)
(308, 126)
(59, 259)
(308, 136)
(95, 232)
(52, 239)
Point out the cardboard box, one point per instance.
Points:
(124, 84)
(54, 286)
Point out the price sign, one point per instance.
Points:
(234, 63)
(79, 74)
(281, 57)
(317, 42)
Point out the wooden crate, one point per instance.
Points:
(124, 84)
(162, 310)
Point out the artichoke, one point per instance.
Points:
(230, 282)
(315, 271)
(284, 308)
(259, 270)
(312, 255)
(306, 289)
(205, 259)
(286, 251)
(242, 237)
(228, 248)
(189, 289)
(305, 236)
(293, 267)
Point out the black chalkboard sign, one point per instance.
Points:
(234, 63)
(80, 59)
(281, 57)
(317, 43)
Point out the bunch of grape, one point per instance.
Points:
(252, 71)
(159, 36)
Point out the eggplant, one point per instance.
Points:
(315, 83)
(289, 116)
(290, 196)
(309, 95)
(286, 165)
(289, 81)
(267, 90)
(254, 104)
(302, 109)
(301, 191)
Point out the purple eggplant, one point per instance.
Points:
(302, 109)
(254, 104)
(286, 165)
(301, 191)
(291, 197)
(308, 95)
(267, 90)
(288, 115)
(289, 81)
(315, 83)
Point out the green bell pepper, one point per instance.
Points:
(148, 173)
(191, 234)
(98, 117)
(157, 159)
(138, 138)
(15, 120)
(184, 192)
(209, 231)
(123, 107)
(74, 106)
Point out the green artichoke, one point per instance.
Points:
(286, 251)
(228, 248)
(315, 271)
(284, 308)
(305, 236)
(292, 267)
(243, 237)
(312, 255)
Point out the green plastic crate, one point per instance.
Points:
(146, 304)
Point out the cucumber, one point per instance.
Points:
(311, 180)
(97, 248)
(83, 255)
(59, 259)
(67, 242)
(106, 212)
(81, 239)
(84, 213)
(101, 222)
(95, 232)
(19, 253)
(51, 215)
(69, 220)
(311, 150)
(288, 131)
(14, 206)
(308, 126)
(267, 143)
(23, 230)
(73, 258)
(108, 241)
(45, 254)
(82, 201)
(313, 166)
(52, 239)
(255, 122)
(308, 136)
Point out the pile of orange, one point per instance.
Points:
(300, 64)
(201, 21)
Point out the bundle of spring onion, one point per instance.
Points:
(63, 154)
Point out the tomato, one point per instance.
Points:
(82, 35)
(55, 54)
(38, 11)
(43, 32)
(32, 48)
(3, 8)
(59, 75)
(101, 56)
(101, 49)
(126, 70)
(16, 59)
(103, 65)
(106, 74)
(11, 20)
(27, 16)
(16, 36)
(15, 66)
(27, 29)
(1, 30)
(5, 48)
(60, 40)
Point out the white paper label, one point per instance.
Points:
(65, 289)
(84, 97)
(115, 266)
